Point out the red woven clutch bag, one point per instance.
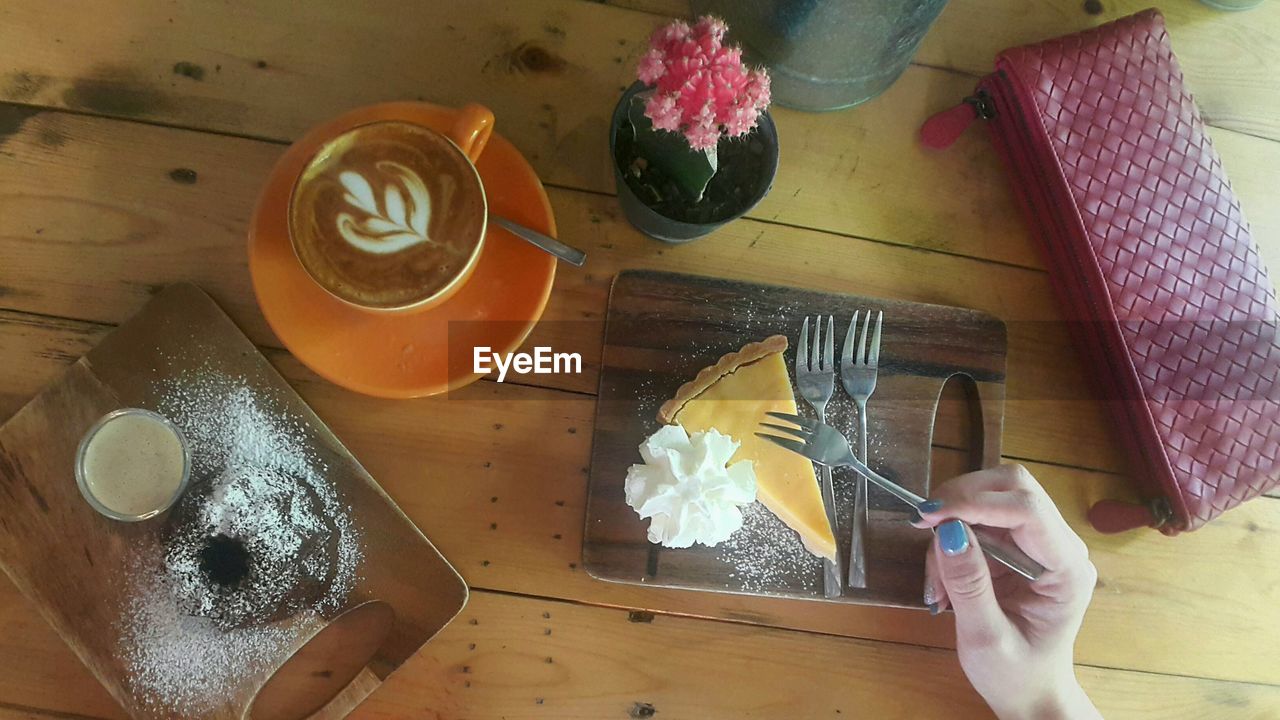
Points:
(1151, 260)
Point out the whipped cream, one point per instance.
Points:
(686, 489)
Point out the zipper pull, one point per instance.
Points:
(1116, 516)
(943, 129)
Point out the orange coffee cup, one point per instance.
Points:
(390, 216)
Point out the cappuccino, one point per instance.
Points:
(388, 215)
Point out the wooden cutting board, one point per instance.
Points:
(661, 328)
(80, 567)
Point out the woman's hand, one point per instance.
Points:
(1014, 637)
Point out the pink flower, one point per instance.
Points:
(740, 120)
(671, 32)
(651, 67)
(758, 89)
(703, 131)
(731, 58)
(702, 137)
(701, 87)
(711, 26)
(661, 109)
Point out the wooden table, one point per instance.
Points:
(134, 137)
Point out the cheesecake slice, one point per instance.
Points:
(733, 396)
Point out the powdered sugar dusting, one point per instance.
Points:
(767, 556)
(188, 641)
(188, 663)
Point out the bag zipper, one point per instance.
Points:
(1117, 516)
(942, 130)
(995, 100)
(983, 107)
(1023, 156)
(1161, 511)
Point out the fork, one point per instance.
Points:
(825, 445)
(816, 378)
(858, 375)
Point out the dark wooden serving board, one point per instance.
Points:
(662, 328)
(74, 564)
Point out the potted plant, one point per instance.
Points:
(692, 141)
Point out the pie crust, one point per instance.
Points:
(711, 374)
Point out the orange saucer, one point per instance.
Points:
(420, 353)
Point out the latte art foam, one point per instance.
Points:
(387, 215)
(399, 222)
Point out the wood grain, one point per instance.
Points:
(527, 658)
(662, 328)
(79, 567)
(552, 71)
(664, 8)
(20, 713)
(330, 670)
(49, 677)
(102, 215)
(529, 449)
(1231, 60)
(603, 665)
(94, 244)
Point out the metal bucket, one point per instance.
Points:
(827, 54)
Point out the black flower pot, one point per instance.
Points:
(761, 144)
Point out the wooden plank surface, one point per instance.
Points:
(20, 713)
(74, 234)
(552, 71)
(604, 663)
(54, 546)
(528, 658)
(1231, 60)
(93, 219)
(529, 447)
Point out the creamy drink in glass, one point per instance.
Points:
(132, 465)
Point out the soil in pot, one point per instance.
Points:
(742, 170)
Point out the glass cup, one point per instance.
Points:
(83, 481)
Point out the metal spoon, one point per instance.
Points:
(569, 254)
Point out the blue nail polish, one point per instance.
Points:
(930, 506)
(953, 538)
(915, 517)
(933, 608)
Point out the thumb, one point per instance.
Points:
(963, 571)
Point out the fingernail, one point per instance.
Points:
(915, 517)
(933, 608)
(953, 538)
(930, 506)
(930, 596)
